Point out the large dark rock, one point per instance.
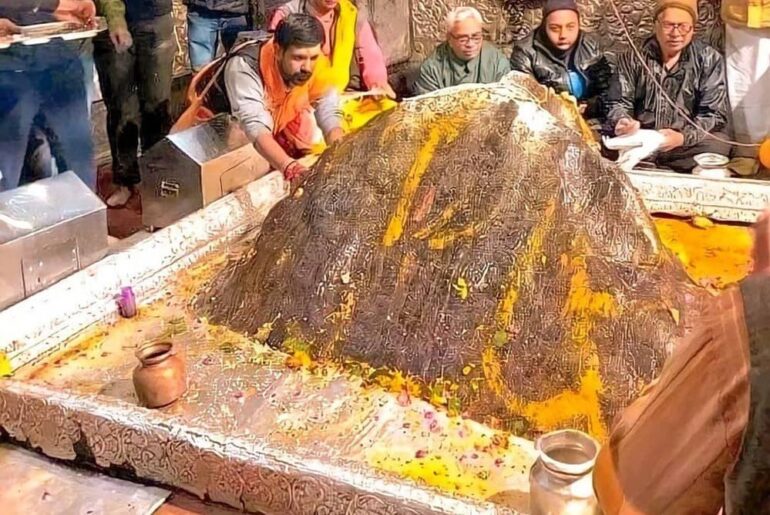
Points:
(475, 241)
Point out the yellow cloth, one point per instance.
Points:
(754, 14)
(357, 112)
(344, 44)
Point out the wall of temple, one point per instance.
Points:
(510, 20)
(409, 29)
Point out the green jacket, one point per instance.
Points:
(442, 69)
(114, 11)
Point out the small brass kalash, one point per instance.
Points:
(161, 376)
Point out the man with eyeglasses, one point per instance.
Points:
(464, 58)
(692, 75)
(561, 56)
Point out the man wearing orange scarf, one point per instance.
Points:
(349, 42)
(276, 86)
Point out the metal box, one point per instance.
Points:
(48, 230)
(192, 168)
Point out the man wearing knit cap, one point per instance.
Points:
(692, 75)
(561, 56)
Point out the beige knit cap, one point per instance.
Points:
(691, 6)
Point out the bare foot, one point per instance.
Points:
(120, 196)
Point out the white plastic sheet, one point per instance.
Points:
(634, 147)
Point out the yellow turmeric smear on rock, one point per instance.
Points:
(442, 239)
(439, 236)
(583, 307)
(525, 264)
(521, 273)
(443, 130)
(714, 256)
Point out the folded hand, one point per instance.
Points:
(672, 139)
(626, 126)
(121, 39)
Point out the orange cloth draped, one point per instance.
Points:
(291, 108)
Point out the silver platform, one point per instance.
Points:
(726, 200)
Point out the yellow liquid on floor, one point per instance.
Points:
(717, 256)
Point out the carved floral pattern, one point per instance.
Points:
(152, 445)
(509, 20)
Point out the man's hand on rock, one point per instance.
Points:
(294, 170)
(673, 139)
(626, 126)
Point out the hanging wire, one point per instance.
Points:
(673, 104)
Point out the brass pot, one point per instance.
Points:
(160, 378)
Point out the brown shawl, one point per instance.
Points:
(670, 450)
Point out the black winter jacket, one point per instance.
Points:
(219, 7)
(696, 84)
(144, 10)
(534, 56)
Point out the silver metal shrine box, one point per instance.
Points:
(48, 230)
(194, 167)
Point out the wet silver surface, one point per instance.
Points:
(241, 391)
